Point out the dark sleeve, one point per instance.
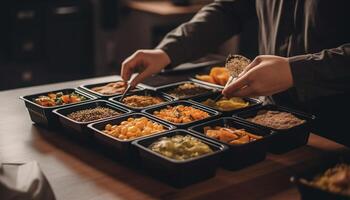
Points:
(209, 28)
(322, 74)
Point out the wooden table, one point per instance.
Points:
(79, 172)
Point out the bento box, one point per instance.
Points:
(43, 115)
(238, 155)
(179, 173)
(186, 90)
(146, 92)
(96, 89)
(184, 115)
(282, 140)
(253, 103)
(81, 126)
(310, 191)
(122, 147)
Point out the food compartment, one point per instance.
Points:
(43, 115)
(180, 173)
(243, 148)
(77, 117)
(142, 99)
(122, 145)
(186, 90)
(285, 138)
(327, 180)
(107, 90)
(182, 113)
(227, 107)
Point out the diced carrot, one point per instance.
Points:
(65, 98)
(74, 99)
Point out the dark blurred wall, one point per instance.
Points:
(45, 41)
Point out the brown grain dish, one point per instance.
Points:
(276, 119)
(92, 114)
(111, 88)
(188, 90)
(230, 135)
(140, 101)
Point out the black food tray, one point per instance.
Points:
(282, 140)
(309, 192)
(145, 92)
(166, 88)
(43, 115)
(212, 113)
(87, 88)
(81, 127)
(238, 156)
(253, 103)
(122, 148)
(179, 173)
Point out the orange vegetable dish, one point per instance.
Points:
(217, 75)
(230, 135)
(181, 114)
(55, 99)
(133, 128)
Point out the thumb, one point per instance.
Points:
(235, 85)
(141, 77)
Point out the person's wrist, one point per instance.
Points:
(163, 56)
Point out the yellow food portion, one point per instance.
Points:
(180, 147)
(133, 128)
(217, 75)
(225, 104)
(181, 114)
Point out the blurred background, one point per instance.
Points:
(45, 41)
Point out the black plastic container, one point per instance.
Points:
(253, 103)
(145, 92)
(43, 115)
(212, 113)
(87, 88)
(238, 156)
(282, 140)
(167, 88)
(81, 127)
(309, 192)
(179, 173)
(123, 148)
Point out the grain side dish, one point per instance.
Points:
(187, 90)
(133, 128)
(92, 114)
(335, 179)
(225, 104)
(111, 88)
(140, 101)
(276, 119)
(58, 98)
(180, 147)
(230, 135)
(181, 114)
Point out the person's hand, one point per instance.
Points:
(146, 63)
(265, 76)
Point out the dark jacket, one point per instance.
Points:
(314, 34)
